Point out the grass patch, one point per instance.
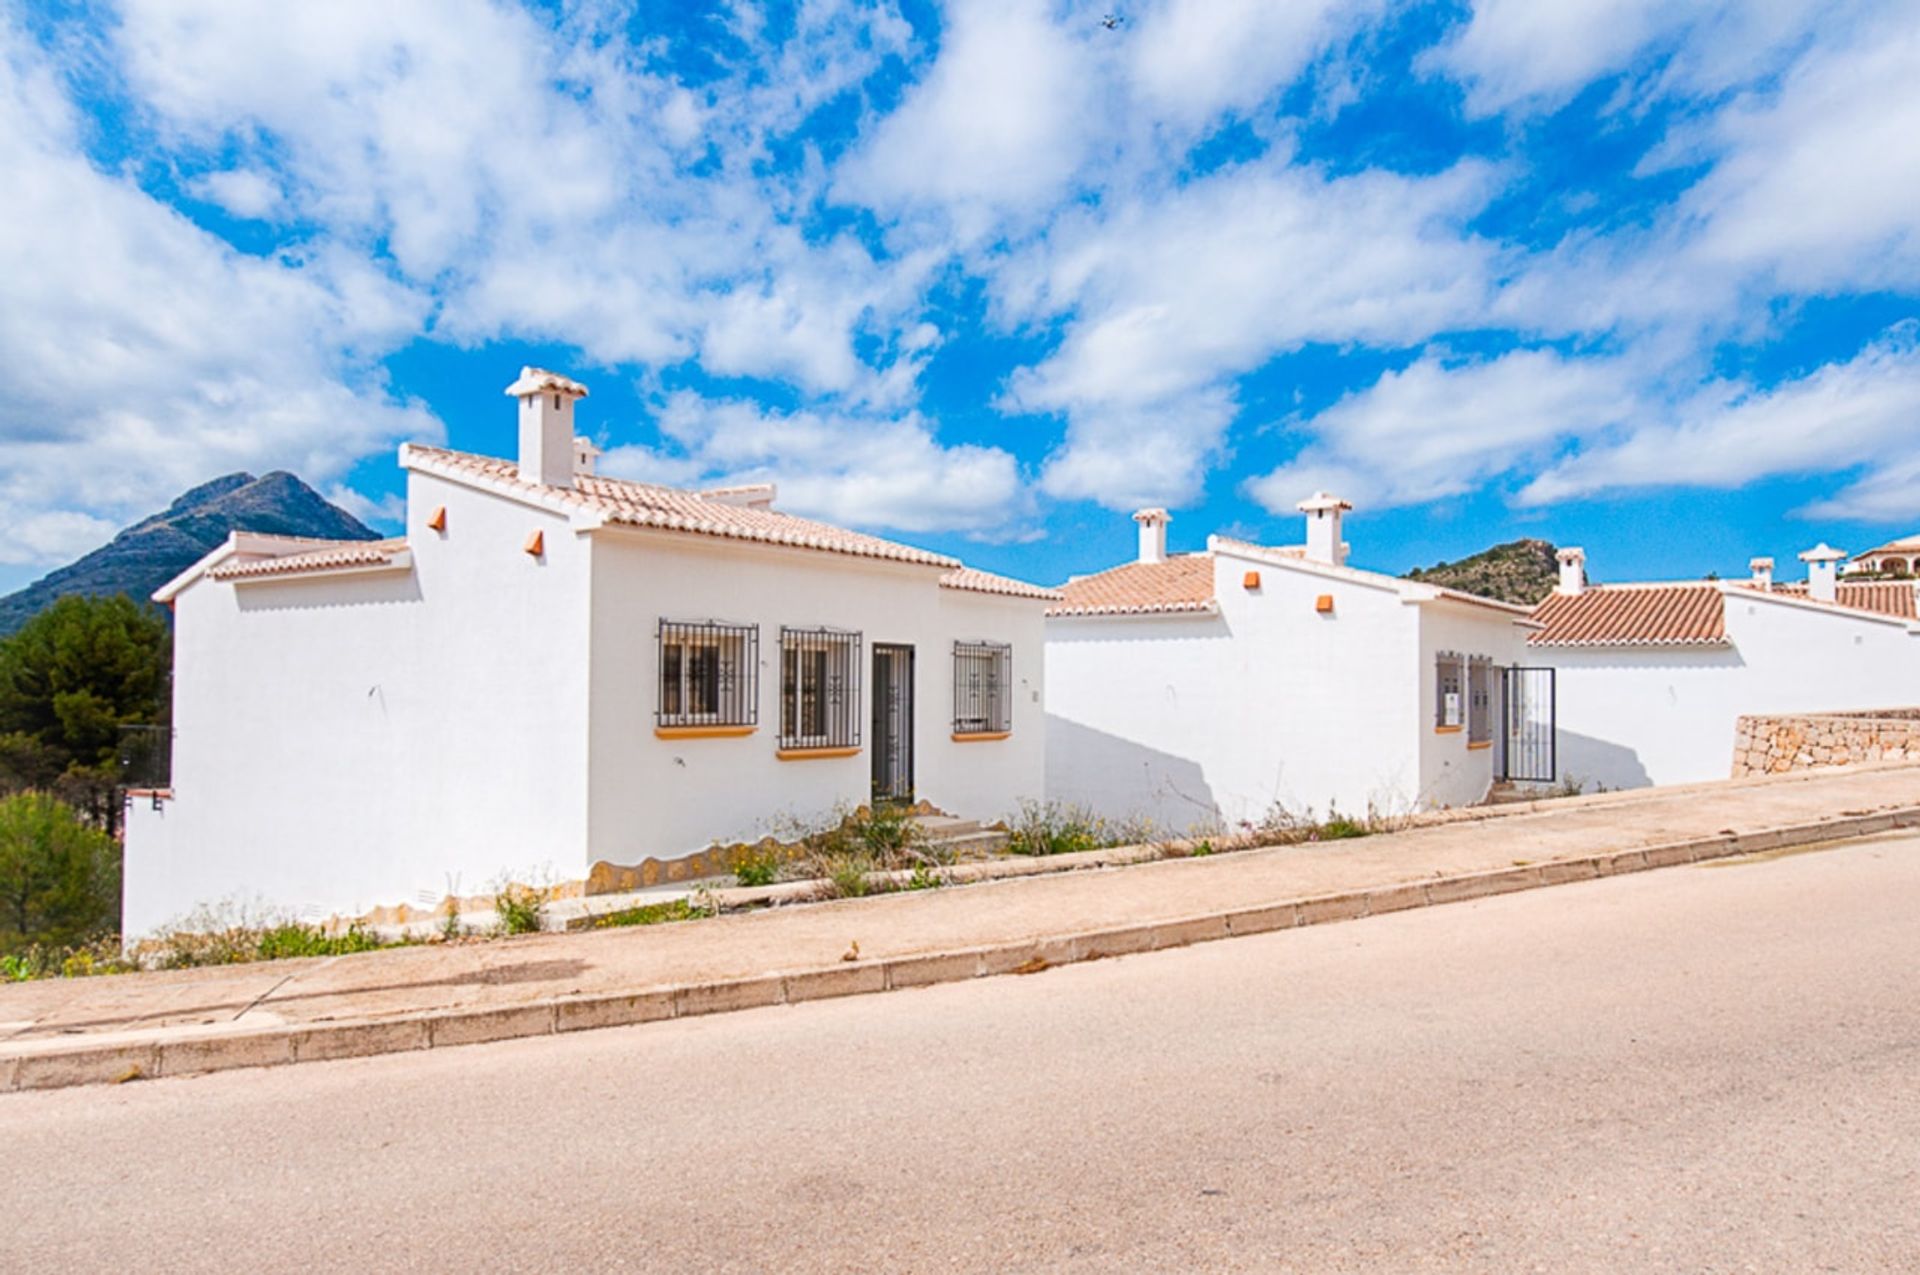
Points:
(650, 914)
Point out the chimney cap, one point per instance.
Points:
(1321, 501)
(1760, 564)
(1823, 552)
(537, 380)
(1145, 516)
(1572, 553)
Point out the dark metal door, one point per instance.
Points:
(892, 723)
(1527, 745)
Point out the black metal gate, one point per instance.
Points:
(1526, 749)
(892, 723)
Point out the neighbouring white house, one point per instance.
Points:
(1899, 558)
(1651, 677)
(1211, 687)
(553, 668)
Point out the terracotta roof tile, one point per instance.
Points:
(326, 555)
(976, 581)
(1633, 615)
(670, 509)
(1181, 583)
(1882, 597)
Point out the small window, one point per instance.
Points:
(708, 674)
(819, 688)
(1449, 706)
(1480, 700)
(982, 688)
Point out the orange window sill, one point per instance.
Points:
(980, 736)
(1448, 730)
(1479, 743)
(703, 732)
(810, 754)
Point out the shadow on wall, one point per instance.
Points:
(1119, 779)
(312, 595)
(1592, 763)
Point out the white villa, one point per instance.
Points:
(1651, 677)
(553, 669)
(1895, 558)
(1189, 688)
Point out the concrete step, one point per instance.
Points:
(985, 841)
(942, 827)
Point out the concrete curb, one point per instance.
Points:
(57, 1065)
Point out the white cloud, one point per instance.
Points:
(244, 192)
(541, 182)
(1170, 300)
(888, 472)
(57, 535)
(156, 356)
(1818, 182)
(1191, 59)
(1003, 120)
(1531, 55)
(1438, 429)
(1835, 419)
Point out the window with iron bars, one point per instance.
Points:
(1479, 700)
(819, 688)
(708, 674)
(1449, 704)
(982, 688)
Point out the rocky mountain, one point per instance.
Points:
(1522, 571)
(154, 550)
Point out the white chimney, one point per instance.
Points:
(1324, 543)
(1762, 573)
(585, 454)
(1822, 580)
(547, 453)
(1153, 534)
(1573, 571)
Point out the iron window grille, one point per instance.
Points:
(982, 688)
(1449, 706)
(819, 688)
(1480, 700)
(708, 674)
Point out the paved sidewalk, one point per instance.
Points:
(87, 1030)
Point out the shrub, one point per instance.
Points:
(521, 909)
(648, 914)
(1339, 828)
(1051, 827)
(760, 866)
(59, 877)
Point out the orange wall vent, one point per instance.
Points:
(1324, 604)
(1251, 580)
(439, 520)
(536, 544)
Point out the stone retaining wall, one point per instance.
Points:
(1773, 745)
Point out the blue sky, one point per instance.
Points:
(1636, 275)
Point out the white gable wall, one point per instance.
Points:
(1271, 702)
(1632, 716)
(669, 797)
(347, 741)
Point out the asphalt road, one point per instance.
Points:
(1703, 1069)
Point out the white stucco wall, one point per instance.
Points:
(351, 741)
(359, 740)
(666, 797)
(1270, 702)
(1636, 716)
(1453, 771)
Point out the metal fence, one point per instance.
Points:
(708, 674)
(982, 688)
(146, 757)
(819, 688)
